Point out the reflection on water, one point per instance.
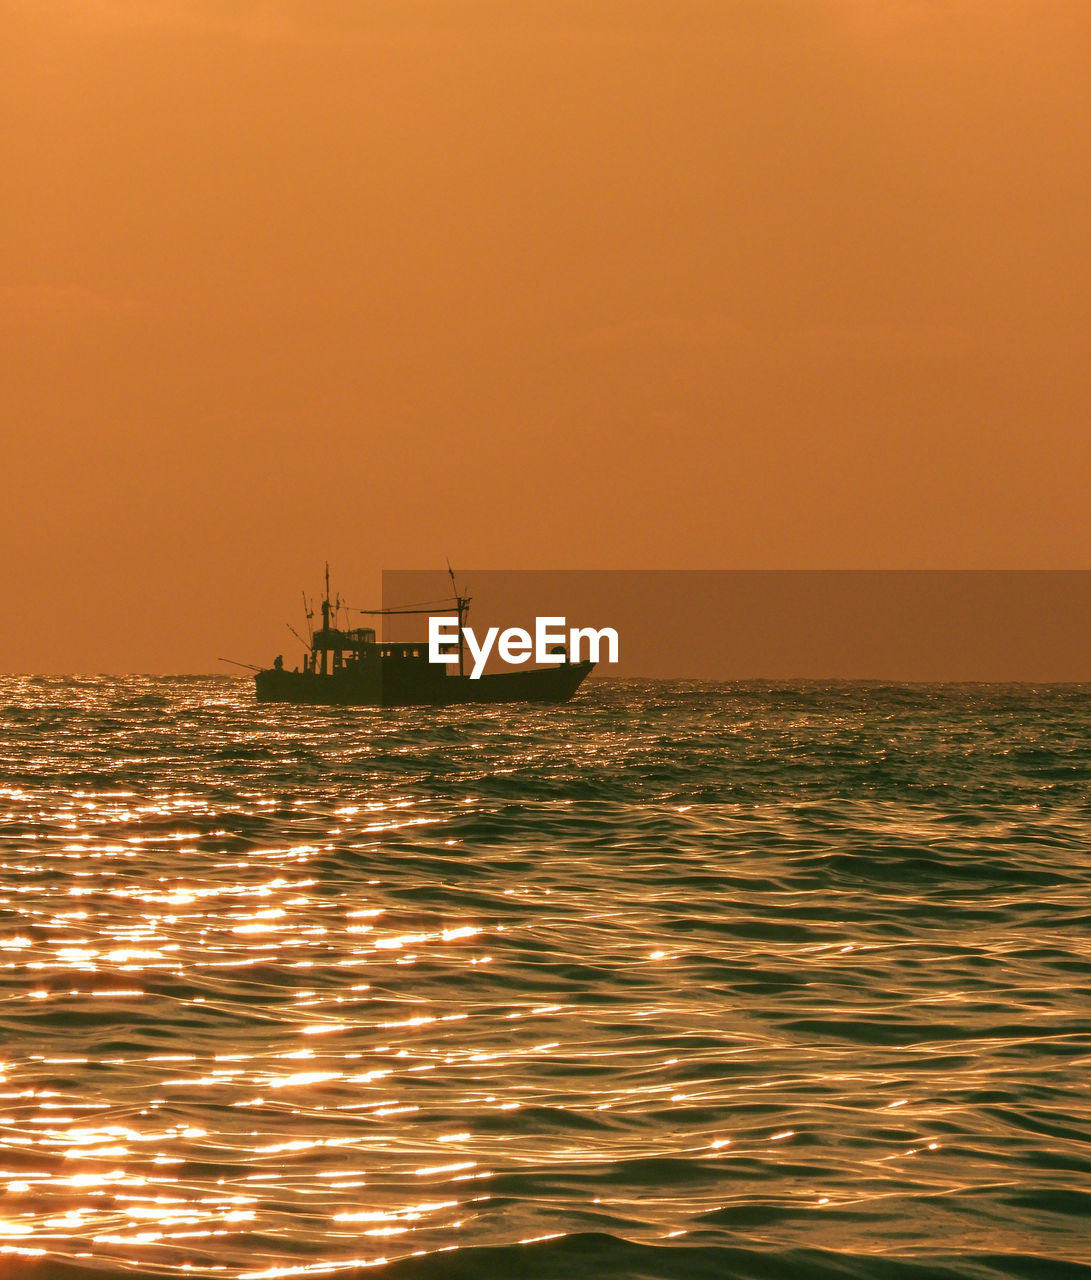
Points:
(711, 972)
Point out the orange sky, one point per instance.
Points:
(596, 283)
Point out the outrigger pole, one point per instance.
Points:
(462, 604)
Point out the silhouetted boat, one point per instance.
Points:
(350, 668)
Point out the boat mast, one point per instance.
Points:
(463, 608)
(325, 633)
(462, 605)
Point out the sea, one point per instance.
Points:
(746, 980)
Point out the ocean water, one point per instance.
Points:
(737, 980)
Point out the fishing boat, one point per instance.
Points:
(349, 667)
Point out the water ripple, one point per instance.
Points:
(677, 980)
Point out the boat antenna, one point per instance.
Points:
(297, 635)
(308, 613)
(326, 601)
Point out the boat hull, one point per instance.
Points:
(367, 686)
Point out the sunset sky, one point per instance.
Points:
(527, 283)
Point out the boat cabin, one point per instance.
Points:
(332, 650)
